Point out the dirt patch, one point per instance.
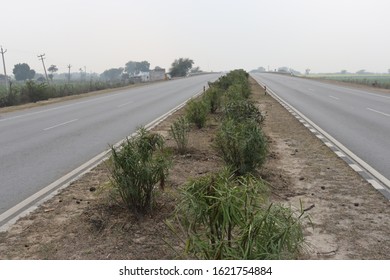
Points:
(350, 220)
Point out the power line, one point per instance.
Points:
(42, 57)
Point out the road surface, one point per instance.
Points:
(358, 119)
(40, 145)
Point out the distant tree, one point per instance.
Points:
(23, 72)
(361, 72)
(134, 67)
(284, 69)
(143, 66)
(343, 72)
(113, 74)
(196, 70)
(388, 70)
(307, 71)
(52, 69)
(181, 67)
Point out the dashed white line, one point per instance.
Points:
(340, 154)
(334, 97)
(124, 104)
(356, 167)
(329, 144)
(60, 124)
(379, 112)
(375, 184)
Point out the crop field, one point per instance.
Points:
(33, 91)
(375, 80)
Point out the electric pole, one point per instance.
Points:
(5, 71)
(69, 66)
(41, 57)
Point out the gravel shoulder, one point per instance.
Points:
(350, 219)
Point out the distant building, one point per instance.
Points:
(145, 76)
(157, 74)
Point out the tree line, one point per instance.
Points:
(179, 68)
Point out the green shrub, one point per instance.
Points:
(241, 145)
(196, 112)
(179, 131)
(137, 167)
(242, 110)
(228, 217)
(33, 92)
(213, 97)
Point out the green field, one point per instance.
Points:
(375, 80)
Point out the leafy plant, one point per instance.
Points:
(241, 145)
(242, 110)
(228, 217)
(213, 97)
(196, 112)
(34, 92)
(137, 167)
(179, 131)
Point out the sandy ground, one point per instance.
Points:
(350, 220)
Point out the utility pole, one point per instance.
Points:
(69, 66)
(41, 57)
(5, 71)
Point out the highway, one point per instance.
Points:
(358, 119)
(40, 145)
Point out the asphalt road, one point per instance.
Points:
(40, 145)
(358, 119)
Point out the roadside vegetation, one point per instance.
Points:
(374, 80)
(34, 91)
(27, 86)
(220, 215)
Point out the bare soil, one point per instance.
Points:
(350, 219)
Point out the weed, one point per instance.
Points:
(241, 145)
(137, 167)
(196, 112)
(179, 131)
(228, 217)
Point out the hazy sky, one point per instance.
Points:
(325, 36)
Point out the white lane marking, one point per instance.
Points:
(329, 144)
(60, 124)
(379, 112)
(355, 167)
(375, 184)
(320, 136)
(60, 107)
(124, 104)
(334, 97)
(340, 154)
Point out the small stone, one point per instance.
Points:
(322, 187)
(77, 201)
(356, 204)
(301, 178)
(92, 189)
